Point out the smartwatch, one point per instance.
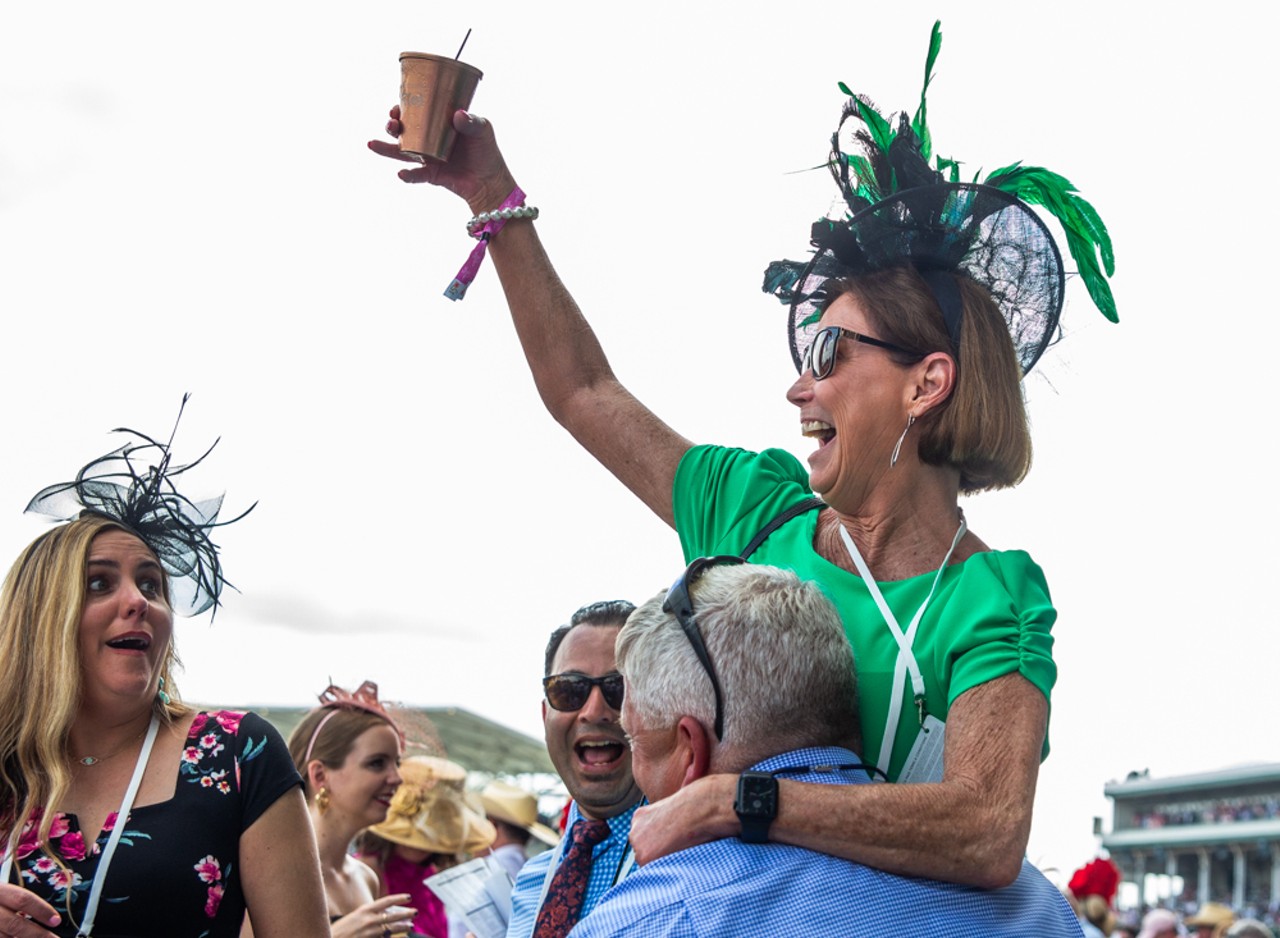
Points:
(756, 805)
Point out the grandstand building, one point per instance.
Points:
(1219, 832)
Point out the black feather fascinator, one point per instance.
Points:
(902, 210)
(134, 486)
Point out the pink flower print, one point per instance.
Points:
(208, 740)
(110, 823)
(206, 781)
(30, 838)
(63, 879)
(72, 846)
(44, 865)
(59, 826)
(224, 787)
(229, 720)
(208, 869)
(215, 899)
(198, 724)
(191, 755)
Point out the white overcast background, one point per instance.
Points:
(187, 204)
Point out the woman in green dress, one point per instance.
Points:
(911, 327)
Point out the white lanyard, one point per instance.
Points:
(100, 876)
(628, 861)
(906, 661)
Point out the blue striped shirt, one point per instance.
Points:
(606, 865)
(728, 888)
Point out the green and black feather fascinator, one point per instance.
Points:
(907, 206)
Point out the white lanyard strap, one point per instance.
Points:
(906, 660)
(99, 877)
(6, 868)
(551, 872)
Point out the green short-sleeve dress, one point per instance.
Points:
(991, 614)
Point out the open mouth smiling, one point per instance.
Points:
(818, 430)
(599, 752)
(134, 641)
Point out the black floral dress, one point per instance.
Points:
(175, 873)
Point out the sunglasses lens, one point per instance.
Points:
(824, 345)
(567, 693)
(612, 687)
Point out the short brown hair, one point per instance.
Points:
(981, 429)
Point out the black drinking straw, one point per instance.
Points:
(463, 46)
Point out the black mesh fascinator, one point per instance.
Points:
(134, 486)
(902, 211)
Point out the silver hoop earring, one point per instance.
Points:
(897, 448)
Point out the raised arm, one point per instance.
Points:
(569, 367)
(970, 828)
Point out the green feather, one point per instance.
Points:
(1087, 236)
(920, 123)
(950, 167)
(866, 177)
(877, 126)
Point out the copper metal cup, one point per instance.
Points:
(432, 87)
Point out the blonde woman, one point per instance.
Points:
(348, 752)
(122, 809)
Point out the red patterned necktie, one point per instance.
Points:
(559, 912)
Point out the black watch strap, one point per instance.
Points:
(756, 805)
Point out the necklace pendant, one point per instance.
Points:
(89, 760)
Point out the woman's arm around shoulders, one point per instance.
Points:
(569, 367)
(280, 872)
(970, 828)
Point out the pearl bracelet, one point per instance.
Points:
(504, 214)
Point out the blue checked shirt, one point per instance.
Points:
(606, 863)
(728, 888)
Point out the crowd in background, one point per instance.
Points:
(1224, 810)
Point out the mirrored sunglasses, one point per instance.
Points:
(570, 691)
(821, 357)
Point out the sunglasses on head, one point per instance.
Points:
(821, 357)
(570, 691)
(679, 603)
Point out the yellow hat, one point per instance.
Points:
(430, 812)
(506, 802)
(1211, 914)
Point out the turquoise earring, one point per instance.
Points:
(164, 698)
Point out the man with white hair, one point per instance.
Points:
(746, 669)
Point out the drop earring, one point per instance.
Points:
(897, 448)
(161, 695)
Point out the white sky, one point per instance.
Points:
(186, 204)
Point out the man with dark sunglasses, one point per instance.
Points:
(746, 669)
(581, 708)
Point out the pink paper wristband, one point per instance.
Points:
(483, 227)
